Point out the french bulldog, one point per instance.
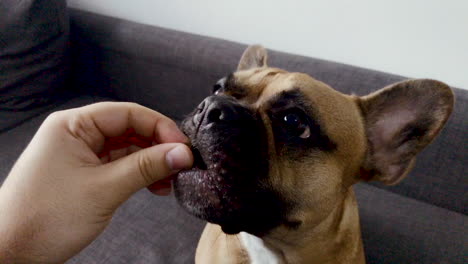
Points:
(277, 153)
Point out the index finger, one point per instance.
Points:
(93, 123)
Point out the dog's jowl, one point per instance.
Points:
(276, 155)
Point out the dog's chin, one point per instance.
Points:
(226, 195)
(204, 193)
(228, 182)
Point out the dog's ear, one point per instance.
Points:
(254, 56)
(400, 120)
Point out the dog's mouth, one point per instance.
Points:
(198, 162)
(228, 183)
(208, 192)
(226, 191)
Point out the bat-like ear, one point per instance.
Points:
(400, 120)
(254, 56)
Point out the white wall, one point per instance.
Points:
(415, 38)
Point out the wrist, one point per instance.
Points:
(8, 247)
(15, 234)
(13, 249)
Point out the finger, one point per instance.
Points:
(162, 187)
(117, 154)
(163, 191)
(140, 169)
(93, 123)
(132, 149)
(105, 159)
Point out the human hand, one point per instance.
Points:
(60, 194)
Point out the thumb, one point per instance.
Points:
(144, 167)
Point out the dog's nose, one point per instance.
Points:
(218, 109)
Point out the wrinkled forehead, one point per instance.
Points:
(258, 85)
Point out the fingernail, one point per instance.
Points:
(179, 158)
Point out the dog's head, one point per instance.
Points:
(279, 149)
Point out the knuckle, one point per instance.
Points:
(146, 168)
(128, 105)
(57, 118)
(133, 105)
(170, 122)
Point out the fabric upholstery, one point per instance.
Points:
(399, 229)
(146, 229)
(16, 139)
(34, 38)
(146, 64)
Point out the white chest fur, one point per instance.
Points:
(258, 252)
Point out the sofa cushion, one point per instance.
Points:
(146, 229)
(398, 229)
(33, 57)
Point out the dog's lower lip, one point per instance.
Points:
(231, 230)
(198, 161)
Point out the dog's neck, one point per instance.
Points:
(257, 251)
(335, 240)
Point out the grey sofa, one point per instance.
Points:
(421, 220)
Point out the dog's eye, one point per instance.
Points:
(296, 125)
(218, 87)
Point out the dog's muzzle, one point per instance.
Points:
(228, 183)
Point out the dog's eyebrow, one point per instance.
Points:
(294, 98)
(233, 88)
(285, 99)
(230, 80)
(290, 99)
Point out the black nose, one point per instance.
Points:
(218, 110)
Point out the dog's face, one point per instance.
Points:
(275, 149)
